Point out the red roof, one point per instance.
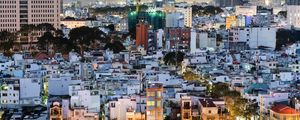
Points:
(236, 62)
(283, 109)
(42, 56)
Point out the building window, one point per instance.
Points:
(158, 104)
(186, 105)
(151, 94)
(113, 105)
(150, 103)
(4, 94)
(186, 115)
(158, 94)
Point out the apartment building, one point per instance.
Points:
(293, 17)
(177, 38)
(186, 108)
(254, 37)
(20, 91)
(15, 13)
(186, 11)
(142, 35)
(154, 109)
(202, 39)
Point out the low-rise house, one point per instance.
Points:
(283, 112)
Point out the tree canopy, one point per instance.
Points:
(236, 105)
(219, 90)
(45, 41)
(111, 27)
(84, 36)
(207, 10)
(7, 40)
(190, 75)
(174, 58)
(285, 37)
(115, 46)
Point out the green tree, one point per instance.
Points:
(219, 90)
(241, 107)
(111, 27)
(207, 10)
(250, 109)
(283, 13)
(167, 118)
(83, 37)
(45, 41)
(115, 46)
(45, 27)
(62, 44)
(236, 105)
(27, 32)
(48, 39)
(190, 75)
(285, 37)
(174, 58)
(7, 40)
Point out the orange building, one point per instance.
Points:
(230, 21)
(154, 108)
(142, 35)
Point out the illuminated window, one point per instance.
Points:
(150, 103)
(158, 104)
(158, 94)
(151, 94)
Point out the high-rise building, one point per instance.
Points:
(293, 17)
(142, 35)
(292, 2)
(174, 19)
(159, 38)
(154, 109)
(155, 19)
(187, 12)
(15, 13)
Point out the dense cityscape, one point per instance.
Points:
(149, 59)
